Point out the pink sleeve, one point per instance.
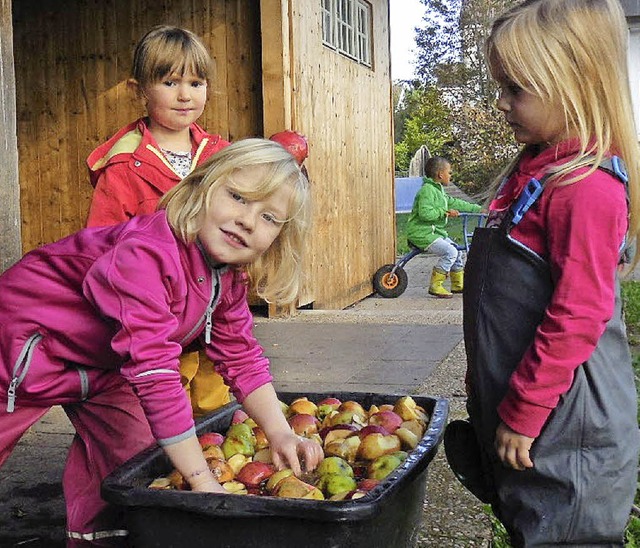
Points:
(585, 225)
(234, 350)
(134, 287)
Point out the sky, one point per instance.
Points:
(405, 16)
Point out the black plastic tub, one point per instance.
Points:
(387, 517)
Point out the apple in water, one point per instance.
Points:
(303, 424)
(332, 402)
(367, 484)
(334, 465)
(338, 432)
(261, 438)
(213, 451)
(263, 455)
(353, 406)
(332, 484)
(376, 445)
(235, 487)
(239, 415)
(416, 426)
(389, 420)
(292, 487)
(302, 405)
(238, 461)
(381, 467)
(346, 448)
(407, 408)
(371, 429)
(347, 417)
(407, 438)
(210, 438)
(221, 469)
(277, 476)
(254, 473)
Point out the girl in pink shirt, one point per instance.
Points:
(96, 322)
(552, 399)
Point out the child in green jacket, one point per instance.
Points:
(426, 227)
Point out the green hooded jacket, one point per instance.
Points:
(428, 218)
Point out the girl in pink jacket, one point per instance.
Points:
(96, 322)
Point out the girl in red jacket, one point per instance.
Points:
(552, 397)
(96, 323)
(141, 162)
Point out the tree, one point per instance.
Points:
(421, 117)
(449, 47)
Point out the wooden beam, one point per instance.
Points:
(10, 236)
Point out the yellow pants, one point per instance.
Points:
(203, 385)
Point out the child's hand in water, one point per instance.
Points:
(288, 450)
(513, 448)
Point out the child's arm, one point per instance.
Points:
(287, 448)
(187, 457)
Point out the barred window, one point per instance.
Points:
(346, 28)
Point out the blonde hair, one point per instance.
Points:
(165, 50)
(574, 53)
(276, 274)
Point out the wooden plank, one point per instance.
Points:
(10, 234)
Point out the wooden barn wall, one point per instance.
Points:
(72, 60)
(10, 248)
(345, 109)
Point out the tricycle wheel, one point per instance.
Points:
(390, 284)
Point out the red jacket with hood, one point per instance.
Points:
(130, 173)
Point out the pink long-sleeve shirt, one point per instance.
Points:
(578, 229)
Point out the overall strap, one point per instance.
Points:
(613, 165)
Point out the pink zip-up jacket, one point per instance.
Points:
(129, 296)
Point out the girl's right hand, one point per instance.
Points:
(513, 448)
(209, 485)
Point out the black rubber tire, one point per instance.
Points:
(390, 285)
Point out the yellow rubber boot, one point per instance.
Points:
(435, 287)
(457, 281)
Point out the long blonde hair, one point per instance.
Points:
(574, 53)
(276, 274)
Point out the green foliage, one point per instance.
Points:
(421, 117)
(451, 75)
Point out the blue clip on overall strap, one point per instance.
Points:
(527, 198)
(613, 165)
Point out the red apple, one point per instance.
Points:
(371, 429)
(254, 473)
(303, 424)
(389, 420)
(354, 406)
(324, 431)
(239, 416)
(367, 484)
(210, 438)
(295, 143)
(333, 402)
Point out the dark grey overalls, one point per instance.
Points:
(583, 482)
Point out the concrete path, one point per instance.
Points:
(408, 345)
